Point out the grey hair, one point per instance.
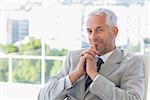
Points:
(111, 18)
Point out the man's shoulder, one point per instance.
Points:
(130, 56)
(75, 54)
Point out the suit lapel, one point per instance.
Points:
(112, 63)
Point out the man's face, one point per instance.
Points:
(100, 34)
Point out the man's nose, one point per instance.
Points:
(93, 37)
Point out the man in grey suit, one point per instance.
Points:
(121, 75)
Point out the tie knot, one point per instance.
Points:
(99, 62)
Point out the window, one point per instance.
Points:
(36, 35)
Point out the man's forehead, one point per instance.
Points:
(96, 25)
(96, 20)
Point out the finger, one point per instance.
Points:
(94, 48)
(95, 51)
(89, 56)
(83, 52)
(90, 52)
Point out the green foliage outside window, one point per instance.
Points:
(33, 47)
(26, 71)
(54, 51)
(10, 48)
(51, 68)
(4, 70)
(29, 70)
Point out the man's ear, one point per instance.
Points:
(115, 31)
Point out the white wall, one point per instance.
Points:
(16, 91)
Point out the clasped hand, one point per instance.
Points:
(88, 60)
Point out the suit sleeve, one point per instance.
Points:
(56, 87)
(131, 85)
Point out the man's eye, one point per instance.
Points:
(98, 30)
(89, 31)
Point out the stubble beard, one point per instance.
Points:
(101, 49)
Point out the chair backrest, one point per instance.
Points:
(146, 59)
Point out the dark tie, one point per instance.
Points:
(88, 80)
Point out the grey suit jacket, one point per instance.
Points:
(121, 78)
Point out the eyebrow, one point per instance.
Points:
(95, 28)
(99, 27)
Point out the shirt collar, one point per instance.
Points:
(106, 56)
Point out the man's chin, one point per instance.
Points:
(100, 50)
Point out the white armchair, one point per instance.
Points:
(146, 59)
